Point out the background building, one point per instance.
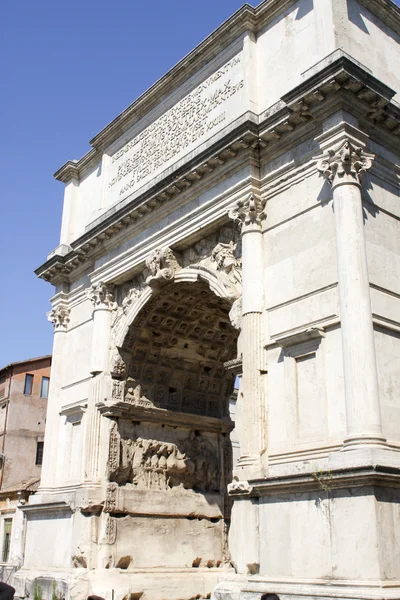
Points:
(24, 388)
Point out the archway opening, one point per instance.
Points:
(170, 453)
(176, 349)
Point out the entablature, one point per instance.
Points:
(112, 409)
(337, 82)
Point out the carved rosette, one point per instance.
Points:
(102, 295)
(162, 265)
(345, 164)
(59, 317)
(248, 212)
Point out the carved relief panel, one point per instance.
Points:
(158, 457)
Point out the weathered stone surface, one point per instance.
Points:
(211, 246)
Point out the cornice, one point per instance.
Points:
(386, 11)
(340, 83)
(319, 481)
(70, 170)
(157, 415)
(247, 18)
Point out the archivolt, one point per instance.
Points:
(218, 283)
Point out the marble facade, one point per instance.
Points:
(246, 225)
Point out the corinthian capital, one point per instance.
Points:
(59, 317)
(249, 211)
(102, 295)
(344, 164)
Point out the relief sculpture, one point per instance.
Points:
(162, 265)
(162, 465)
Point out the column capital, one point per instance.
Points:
(102, 295)
(344, 164)
(59, 317)
(248, 212)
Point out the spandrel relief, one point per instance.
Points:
(220, 252)
(171, 459)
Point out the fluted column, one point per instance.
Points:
(249, 214)
(59, 317)
(344, 166)
(102, 297)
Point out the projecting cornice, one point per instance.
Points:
(337, 82)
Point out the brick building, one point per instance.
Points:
(24, 390)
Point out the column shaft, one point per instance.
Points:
(50, 468)
(344, 166)
(251, 396)
(359, 360)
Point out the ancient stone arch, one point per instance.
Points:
(174, 327)
(214, 260)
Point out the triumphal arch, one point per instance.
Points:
(239, 222)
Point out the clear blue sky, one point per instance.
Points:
(67, 69)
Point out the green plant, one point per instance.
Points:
(54, 594)
(37, 592)
(324, 479)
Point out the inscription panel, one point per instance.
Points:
(200, 114)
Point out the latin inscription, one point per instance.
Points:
(200, 113)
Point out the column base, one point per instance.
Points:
(363, 441)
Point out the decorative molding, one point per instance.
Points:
(234, 365)
(59, 317)
(345, 164)
(301, 337)
(110, 503)
(249, 211)
(337, 75)
(102, 295)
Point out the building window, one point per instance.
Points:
(3, 380)
(44, 388)
(28, 384)
(39, 453)
(6, 539)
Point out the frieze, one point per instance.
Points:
(163, 464)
